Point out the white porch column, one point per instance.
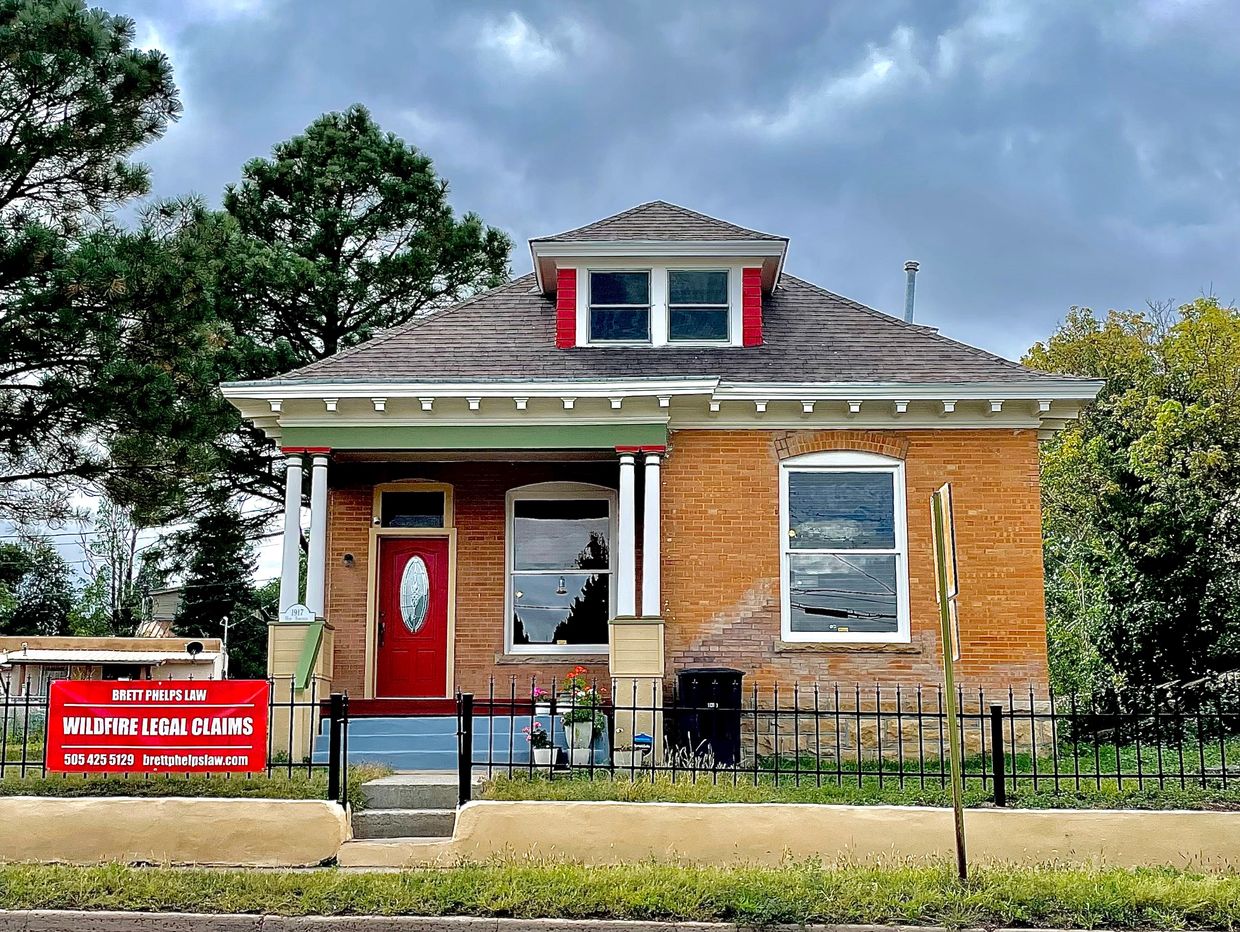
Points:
(289, 562)
(316, 561)
(650, 540)
(626, 557)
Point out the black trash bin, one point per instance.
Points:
(708, 713)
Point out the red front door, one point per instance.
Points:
(413, 617)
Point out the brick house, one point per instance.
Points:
(659, 432)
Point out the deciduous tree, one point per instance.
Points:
(1141, 500)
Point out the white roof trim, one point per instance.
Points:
(275, 391)
(1047, 403)
(601, 389)
(659, 247)
(654, 249)
(1073, 389)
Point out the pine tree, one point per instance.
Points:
(78, 101)
(219, 585)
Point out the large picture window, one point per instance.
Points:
(560, 592)
(844, 554)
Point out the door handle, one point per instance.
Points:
(382, 630)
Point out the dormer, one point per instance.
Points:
(658, 275)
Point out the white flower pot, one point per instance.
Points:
(544, 757)
(542, 708)
(580, 757)
(579, 734)
(626, 760)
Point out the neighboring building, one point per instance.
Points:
(660, 424)
(162, 606)
(28, 664)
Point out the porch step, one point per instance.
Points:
(404, 823)
(437, 725)
(428, 742)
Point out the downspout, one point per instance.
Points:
(910, 269)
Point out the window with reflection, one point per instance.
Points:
(412, 510)
(620, 307)
(844, 559)
(560, 568)
(697, 305)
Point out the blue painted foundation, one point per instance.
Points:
(429, 742)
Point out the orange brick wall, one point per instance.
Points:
(721, 558)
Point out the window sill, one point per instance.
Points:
(843, 647)
(503, 660)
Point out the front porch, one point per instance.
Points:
(442, 574)
(436, 572)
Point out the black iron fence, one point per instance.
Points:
(307, 737)
(1014, 741)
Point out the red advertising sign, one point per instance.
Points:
(157, 726)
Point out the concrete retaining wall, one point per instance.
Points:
(249, 832)
(294, 833)
(616, 832)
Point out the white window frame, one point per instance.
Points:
(556, 491)
(649, 306)
(659, 315)
(726, 308)
(843, 461)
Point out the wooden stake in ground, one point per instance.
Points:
(947, 588)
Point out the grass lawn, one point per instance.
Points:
(720, 788)
(1083, 762)
(280, 785)
(1091, 775)
(925, 895)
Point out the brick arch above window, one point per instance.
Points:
(788, 443)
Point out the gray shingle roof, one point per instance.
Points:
(810, 336)
(658, 220)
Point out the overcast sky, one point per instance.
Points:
(1032, 155)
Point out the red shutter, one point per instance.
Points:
(565, 308)
(751, 307)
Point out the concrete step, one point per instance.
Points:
(403, 823)
(371, 853)
(400, 760)
(431, 790)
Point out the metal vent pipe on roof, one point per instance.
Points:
(910, 268)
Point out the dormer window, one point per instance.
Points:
(697, 305)
(620, 307)
(687, 302)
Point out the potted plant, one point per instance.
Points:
(628, 757)
(582, 715)
(542, 701)
(540, 744)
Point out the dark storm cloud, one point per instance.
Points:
(1031, 155)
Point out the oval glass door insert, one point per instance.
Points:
(415, 594)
